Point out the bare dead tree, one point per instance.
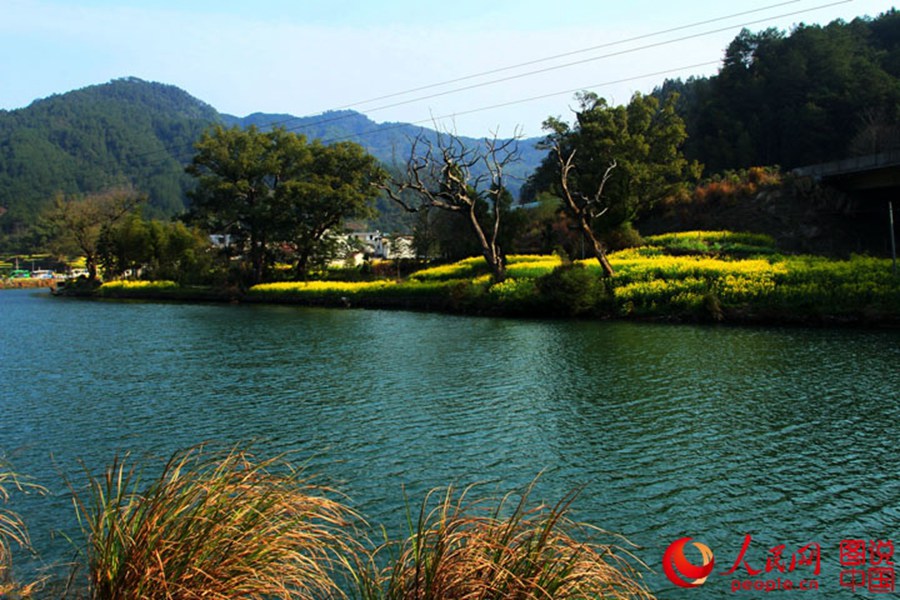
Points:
(584, 209)
(448, 175)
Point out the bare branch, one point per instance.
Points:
(582, 208)
(449, 175)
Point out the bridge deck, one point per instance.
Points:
(862, 172)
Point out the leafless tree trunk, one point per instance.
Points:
(442, 174)
(584, 209)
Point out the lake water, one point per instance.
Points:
(787, 435)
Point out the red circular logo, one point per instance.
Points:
(680, 570)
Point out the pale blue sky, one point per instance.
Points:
(307, 56)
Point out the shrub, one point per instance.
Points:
(318, 289)
(572, 290)
(125, 286)
(625, 236)
(704, 242)
(466, 268)
(515, 296)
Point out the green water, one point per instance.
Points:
(714, 432)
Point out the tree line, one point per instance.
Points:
(273, 197)
(816, 94)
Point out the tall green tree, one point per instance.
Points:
(817, 94)
(335, 183)
(271, 189)
(614, 162)
(126, 246)
(154, 249)
(238, 173)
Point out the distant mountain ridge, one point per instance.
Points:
(134, 132)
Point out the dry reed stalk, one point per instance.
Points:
(468, 549)
(13, 531)
(217, 527)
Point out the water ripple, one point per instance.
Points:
(667, 430)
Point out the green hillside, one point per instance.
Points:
(811, 95)
(141, 134)
(126, 132)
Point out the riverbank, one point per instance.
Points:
(27, 282)
(684, 277)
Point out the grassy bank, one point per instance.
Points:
(701, 276)
(692, 276)
(25, 282)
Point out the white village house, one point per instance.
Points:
(363, 245)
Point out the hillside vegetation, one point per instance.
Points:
(812, 95)
(130, 132)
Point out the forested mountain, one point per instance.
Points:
(126, 132)
(817, 94)
(138, 133)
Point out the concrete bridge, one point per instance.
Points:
(859, 174)
(872, 178)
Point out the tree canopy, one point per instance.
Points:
(818, 94)
(641, 141)
(78, 223)
(271, 189)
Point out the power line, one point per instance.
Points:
(555, 57)
(522, 101)
(320, 122)
(565, 54)
(557, 67)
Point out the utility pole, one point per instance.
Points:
(893, 238)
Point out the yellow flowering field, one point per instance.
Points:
(129, 285)
(662, 278)
(321, 287)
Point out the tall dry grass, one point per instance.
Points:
(214, 526)
(13, 532)
(477, 549)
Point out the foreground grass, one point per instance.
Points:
(461, 547)
(13, 531)
(220, 526)
(228, 525)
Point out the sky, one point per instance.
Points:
(468, 66)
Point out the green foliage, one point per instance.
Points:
(515, 295)
(572, 290)
(338, 183)
(703, 275)
(270, 189)
(713, 242)
(643, 140)
(81, 225)
(820, 93)
(133, 132)
(125, 132)
(665, 279)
